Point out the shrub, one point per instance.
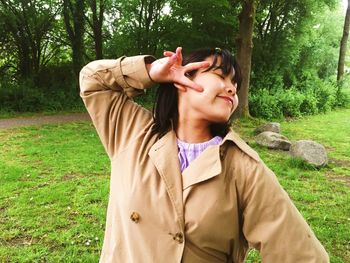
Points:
(263, 104)
(309, 103)
(326, 96)
(25, 97)
(290, 101)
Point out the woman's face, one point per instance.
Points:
(218, 100)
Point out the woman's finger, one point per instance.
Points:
(179, 55)
(196, 65)
(170, 61)
(189, 83)
(180, 87)
(168, 53)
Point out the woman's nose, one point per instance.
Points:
(231, 88)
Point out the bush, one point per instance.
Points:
(312, 96)
(263, 104)
(275, 104)
(290, 101)
(25, 97)
(309, 104)
(326, 96)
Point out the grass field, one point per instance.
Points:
(54, 183)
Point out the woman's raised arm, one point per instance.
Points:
(105, 87)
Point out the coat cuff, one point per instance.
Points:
(134, 72)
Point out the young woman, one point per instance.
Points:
(184, 187)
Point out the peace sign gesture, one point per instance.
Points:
(170, 69)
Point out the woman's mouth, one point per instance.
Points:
(229, 99)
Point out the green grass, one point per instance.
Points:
(54, 183)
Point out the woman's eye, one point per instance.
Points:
(220, 76)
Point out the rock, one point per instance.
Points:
(270, 126)
(310, 151)
(273, 140)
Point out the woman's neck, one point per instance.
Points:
(193, 131)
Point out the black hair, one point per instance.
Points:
(165, 109)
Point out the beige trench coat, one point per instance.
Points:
(224, 201)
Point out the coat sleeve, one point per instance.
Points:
(105, 87)
(271, 222)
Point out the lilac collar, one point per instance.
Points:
(190, 151)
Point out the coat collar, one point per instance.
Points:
(164, 155)
(241, 144)
(208, 164)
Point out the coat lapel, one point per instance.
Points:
(164, 155)
(206, 166)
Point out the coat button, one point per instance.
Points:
(135, 217)
(179, 237)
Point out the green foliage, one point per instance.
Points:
(300, 66)
(30, 34)
(295, 46)
(26, 96)
(263, 104)
(309, 104)
(326, 97)
(311, 96)
(323, 93)
(290, 101)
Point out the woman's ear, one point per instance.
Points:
(180, 87)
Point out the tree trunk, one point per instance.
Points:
(343, 44)
(73, 13)
(97, 22)
(244, 53)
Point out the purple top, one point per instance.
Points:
(190, 151)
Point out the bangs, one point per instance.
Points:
(228, 63)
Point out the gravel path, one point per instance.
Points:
(54, 119)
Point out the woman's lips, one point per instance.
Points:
(229, 99)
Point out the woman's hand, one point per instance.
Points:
(170, 69)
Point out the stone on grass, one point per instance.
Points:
(309, 151)
(270, 126)
(273, 140)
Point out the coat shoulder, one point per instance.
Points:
(242, 146)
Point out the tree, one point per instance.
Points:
(95, 22)
(203, 23)
(244, 52)
(73, 13)
(29, 27)
(343, 44)
(284, 45)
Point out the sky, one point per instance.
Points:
(345, 4)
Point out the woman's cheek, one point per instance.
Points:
(235, 104)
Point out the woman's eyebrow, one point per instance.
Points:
(218, 68)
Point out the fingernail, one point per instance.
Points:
(174, 57)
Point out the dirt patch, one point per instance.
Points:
(71, 176)
(55, 119)
(342, 163)
(338, 178)
(21, 240)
